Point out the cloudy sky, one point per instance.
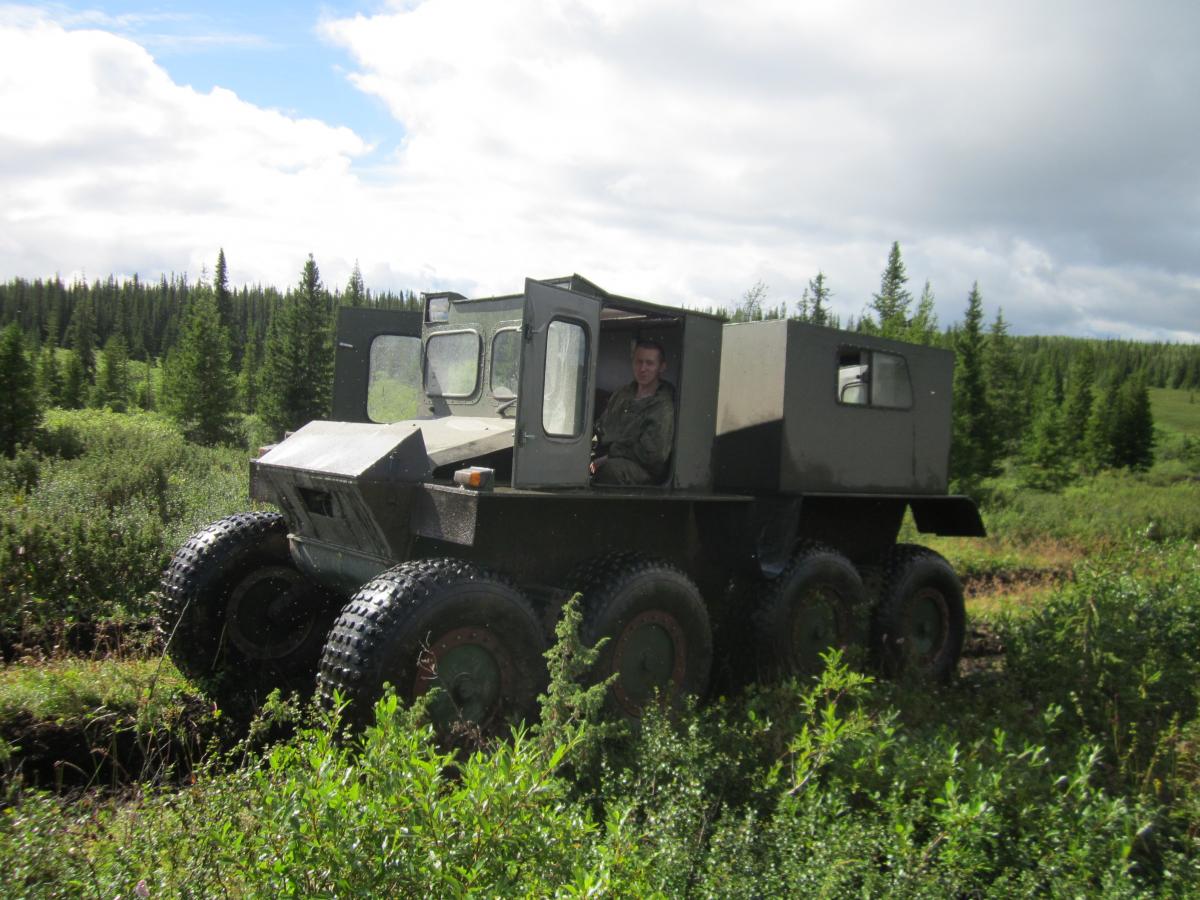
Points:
(670, 150)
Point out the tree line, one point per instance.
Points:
(1056, 407)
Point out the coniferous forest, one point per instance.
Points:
(1063, 759)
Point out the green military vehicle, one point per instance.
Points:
(429, 536)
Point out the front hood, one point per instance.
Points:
(404, 451)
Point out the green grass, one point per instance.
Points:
(74, 692)
(1176, 410)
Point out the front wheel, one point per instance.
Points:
(239, 618)
(920, 618)
(437, 623)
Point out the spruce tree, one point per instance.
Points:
(49, 376)
(973, 452)
(892, 301)
(83, 335)
(1077, 405)
(1133, 445)
(356, 291)
(112, 382)
(1100, 434)
(297, 371)
(75, 383)
(1044, 459)
(819, 294)
(923, 328)
(197, 384)
(20, 411)
(1005, 391)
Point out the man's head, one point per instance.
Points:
(649, 364)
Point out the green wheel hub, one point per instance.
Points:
(929, 623)
(271, 612)
(816, 627)
(473, 672)
(650, 654)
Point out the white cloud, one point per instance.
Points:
(673, 150)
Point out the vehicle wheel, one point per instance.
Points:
(919, 621)
(804, 611)
(657, 627)
(239, 618)
(437, 623)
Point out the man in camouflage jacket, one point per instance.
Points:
(638, 426)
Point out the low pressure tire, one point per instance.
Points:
(919, 621)
(239, 618)
(437, 623)
(657, 626)
(808, 609)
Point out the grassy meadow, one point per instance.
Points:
(1064, 759)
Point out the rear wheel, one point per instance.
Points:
(240, 619)
(438, 623)
(659, 639)
(808, 609)
(920, 619)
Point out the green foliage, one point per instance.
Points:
(1045, 453)
(197, 382)
(1119, 651)
(87, 526)
(112, 382)
(298, 368)
(20, 410)
(973, 450)
(892, 302)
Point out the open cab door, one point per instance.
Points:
(377, 366)
(556, 396)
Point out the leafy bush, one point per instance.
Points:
(88, 526)
(1119, 650)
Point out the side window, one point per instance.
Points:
(854, 368)
(873, 378)
(452, 364)
(394, 378)
(566, 378)
(506, 348)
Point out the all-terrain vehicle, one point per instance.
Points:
(429, 536)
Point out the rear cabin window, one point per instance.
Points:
(452, 364)
(506, 348)
(564, 403)
(394, 378)
(873, 378)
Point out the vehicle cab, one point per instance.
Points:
(529, 372)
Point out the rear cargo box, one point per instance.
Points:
(806, 409)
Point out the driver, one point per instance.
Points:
(635, 432)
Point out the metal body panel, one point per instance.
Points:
(357, 327)
(485, 316)
(781, 427)
(542, 459)
(696, 403)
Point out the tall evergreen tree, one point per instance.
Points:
(20, 411)
(1077, 405)
(1005, 392)
(1133, 445)
(248, 379)
(1100, 433)
(298, 361)
(75, 383)
(356, 291)
(923, 328)
(49, 376)
(112, 382)
(892, 302)
(83, 335)
(221, 291)
(819, 296)
(197, 383)
(1044, 452)
(973, 453)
